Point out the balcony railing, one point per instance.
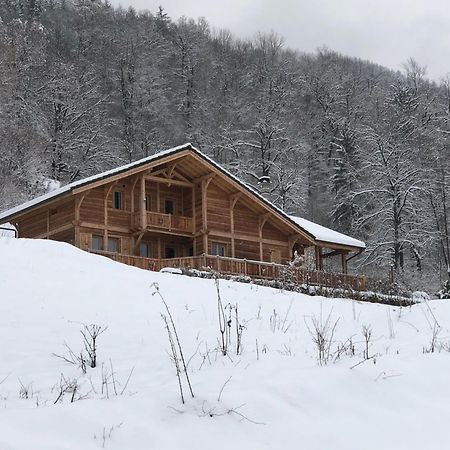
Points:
(252, 269)
(160, 221)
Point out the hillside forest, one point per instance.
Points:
(349, 144)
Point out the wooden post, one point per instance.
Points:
(344, 262)
(193, 211)
(142, 208)
(78, 202)
(204, 185)
(132, 203)
(159, 247)
(233, 200)
(318, 258)
(48, 224)
(107, 192)
(158, 198)
(262, 220)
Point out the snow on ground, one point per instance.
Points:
(398, 400)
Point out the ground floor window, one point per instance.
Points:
(218, 249)
(144, 250)
(169, 252)
(97, 242)
(113, 245)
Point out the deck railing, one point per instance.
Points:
(162, 221)
(236, 266)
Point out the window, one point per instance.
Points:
(113, 245)
(117, 200)
(144, 250)
(218, 249)
(148, 202)
(170, 252)
(168, 206)
(97, 242)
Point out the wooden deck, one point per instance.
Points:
(252, 269)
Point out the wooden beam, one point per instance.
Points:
(180, 176)
(170, 170)
(245, 237)
(128, 173)
(208, 176)
(138, 241)
(169, 181)
(333, 253)
(66, 227)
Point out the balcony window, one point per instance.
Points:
(113, 245)
(169, 207)
(218, 249)
(148, 202)
(117, 200)
(97, 242)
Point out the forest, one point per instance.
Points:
(349, 144)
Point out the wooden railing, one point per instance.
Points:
(162, 221)
(252, 269)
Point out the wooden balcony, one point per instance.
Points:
(252, 269)
(158, 221)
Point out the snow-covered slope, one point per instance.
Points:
(275, 398)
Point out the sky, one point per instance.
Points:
(387, 32)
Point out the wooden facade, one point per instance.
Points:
(177, 204)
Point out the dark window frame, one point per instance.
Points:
(117, 200)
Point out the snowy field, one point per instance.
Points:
(273, 395)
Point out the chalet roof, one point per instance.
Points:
(324, 234)
(315, 231)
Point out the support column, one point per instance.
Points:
(48, 224)
(233, 200)
(344, 262)
(78, 202)
(158, 198)
(142, 208)
(107, 192)
(205, 184)
(318, 258)
(262, 220)
(194, 223)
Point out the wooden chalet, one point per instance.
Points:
(178, 208)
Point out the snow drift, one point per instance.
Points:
(273, 395)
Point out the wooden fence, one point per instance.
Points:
(244, 267)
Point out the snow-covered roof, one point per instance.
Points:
(325, 234)
(315, 231)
